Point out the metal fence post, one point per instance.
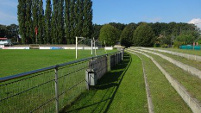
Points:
(56, 89)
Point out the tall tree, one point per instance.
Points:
(60, 21)
(28, 22)
(72, 22)
(78, 21)
(48, 15)
(41, 23)
(80, 18)
(35, 11)
(75, 21)
(76, 14)
(67, 21)
(88, 15)
(55, 22)
(21, 19)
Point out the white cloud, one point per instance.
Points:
(157, 19)
(196, 21)
(114, 20)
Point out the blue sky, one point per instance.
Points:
(126, 11)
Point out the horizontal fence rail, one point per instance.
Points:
(51, 89)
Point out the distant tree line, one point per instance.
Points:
(147, 34)
(61, 21)
(10, 32)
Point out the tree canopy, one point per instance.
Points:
(164, 33)
(126, 38)
(143, 35)
(60, 23)
(109, 35)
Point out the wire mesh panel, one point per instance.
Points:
(71, 82)
(28, 94)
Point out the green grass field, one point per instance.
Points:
(19, 61)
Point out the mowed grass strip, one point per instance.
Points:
(192, 63)
(121, 90)
(131, 95)
(193, 52)
(165, 99)
(190, 82)
(19, 61)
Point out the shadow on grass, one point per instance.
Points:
(100, 97)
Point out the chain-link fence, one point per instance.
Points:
(52, 88)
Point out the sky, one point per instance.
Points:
(126, 11)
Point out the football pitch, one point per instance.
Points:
(19, 61)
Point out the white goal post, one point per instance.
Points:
(83, 38)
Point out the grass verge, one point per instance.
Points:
(120, 90)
